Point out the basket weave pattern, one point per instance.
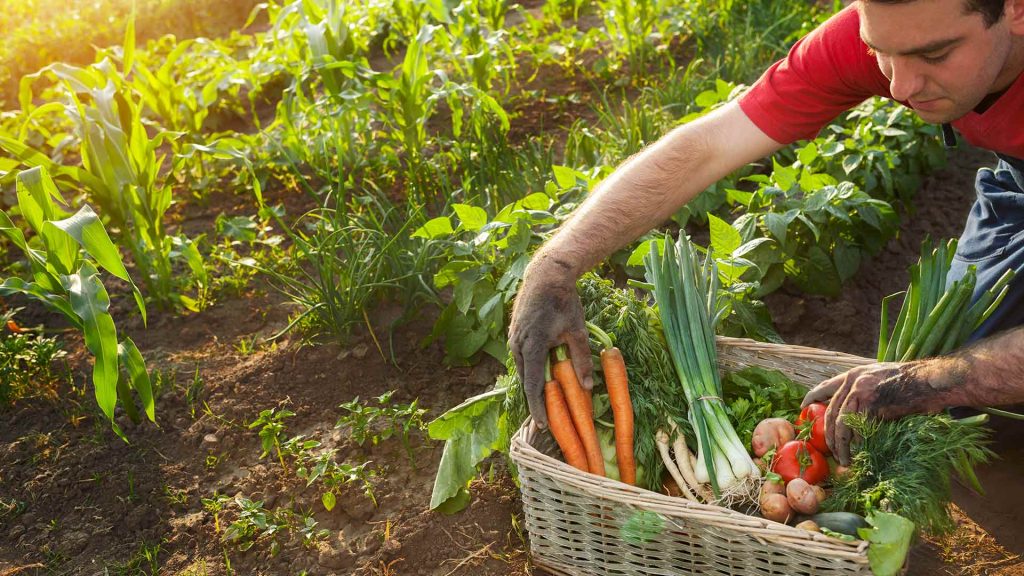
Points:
(580, 523)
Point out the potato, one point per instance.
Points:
(771, 433)
(775, 507)
(809, 525)
(801, 496)
(772, 487)
(820, 493)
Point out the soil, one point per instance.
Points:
(74, 499)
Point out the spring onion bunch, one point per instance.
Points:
(936, 316)
(686, 291)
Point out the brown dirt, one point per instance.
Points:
(90, 501)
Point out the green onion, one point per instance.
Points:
(687, 293)
(936, 318)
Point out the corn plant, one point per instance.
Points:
(410, 102)
(121, 172)
(64, 258)
(633, 28)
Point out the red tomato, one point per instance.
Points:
(815, 414)
(799, 459)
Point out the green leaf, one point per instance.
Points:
(643, 526)
(808, 154)
(566, 177)
(90, 302)
(852, 162)
(890, 537)
(130, 357)
(329, 500)
(471, 218)
(435, 228)
(472, 432)
(85, 227)
(777, 226)
(724, 238)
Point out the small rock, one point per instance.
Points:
(75, 542)
(335, 558)
(210, 440)
(360, 351)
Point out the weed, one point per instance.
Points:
(26, 362)
(144, 562)
(378, 423)
(176, 496)
(215, 505)
(271, 425)
(11, 508)
(254, 522)
(194, 391)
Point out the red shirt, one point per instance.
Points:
(830, 71)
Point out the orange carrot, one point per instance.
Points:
(561, 426)
(614, 368)
(581, 407)
(13, 327)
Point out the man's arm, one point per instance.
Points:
(641, 194)
(988, 373)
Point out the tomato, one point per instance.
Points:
(799, 459)
(815, 414)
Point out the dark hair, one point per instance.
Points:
(990, 10)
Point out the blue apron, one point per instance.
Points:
(993, 241)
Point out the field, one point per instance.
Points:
(318, 215)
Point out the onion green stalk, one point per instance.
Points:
(686, 292)
(937, 318)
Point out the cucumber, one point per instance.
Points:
(842, 522)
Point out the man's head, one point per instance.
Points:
(944, 56)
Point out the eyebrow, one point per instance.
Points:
(925, 49)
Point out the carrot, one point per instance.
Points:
(613, 365)
(581, 407)
(13, 327)
(615, 379)
(561, 426)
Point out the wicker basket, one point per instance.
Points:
(580, 523)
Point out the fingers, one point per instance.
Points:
(579, 351)
(835, 406)
(843, 434)
(823, 391)
(530, 362)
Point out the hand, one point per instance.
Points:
(547, 313)
(859, 390)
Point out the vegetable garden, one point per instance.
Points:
(258, 261)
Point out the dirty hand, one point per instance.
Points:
(876, 389)
(547, 313)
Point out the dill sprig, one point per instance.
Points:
(904, 466)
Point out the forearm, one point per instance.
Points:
(648, 188)
(987, 373)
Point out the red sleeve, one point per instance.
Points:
(826, 73)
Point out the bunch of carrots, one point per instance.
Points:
(571, 411)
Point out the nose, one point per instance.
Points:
(904, 80)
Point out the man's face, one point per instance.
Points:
(937, 57)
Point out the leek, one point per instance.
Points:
(686, 292)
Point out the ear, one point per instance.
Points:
(1013, 13)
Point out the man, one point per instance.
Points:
(952, 61)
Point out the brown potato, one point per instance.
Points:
(820, 493)
(801, 496)
(771, 433)
(809, 525)
(775, 507)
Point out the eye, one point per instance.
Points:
(936, 58)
